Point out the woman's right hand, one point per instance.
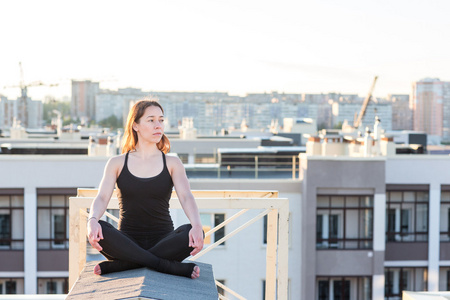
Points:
(94, 231)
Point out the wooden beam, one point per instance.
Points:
(82, 192)
(283, 250)
(271, 254)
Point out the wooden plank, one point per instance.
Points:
(229, 235)
(199, 193)
(82, 238)
(74, 253)
(235, 216)
(229, 291)
(204, 203)
(283, 250)
(271, 254)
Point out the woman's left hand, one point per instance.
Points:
(196, 239)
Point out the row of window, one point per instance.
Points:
(343, 222)
(327, 288)
(50, 286)
(52, 221)
(44, 285)
(396, 281)
(346, 222)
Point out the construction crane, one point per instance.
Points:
(358, 119)
(22, 109)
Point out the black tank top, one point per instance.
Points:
(144, 202)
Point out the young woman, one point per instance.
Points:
(144, 177)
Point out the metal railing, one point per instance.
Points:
(248, 166)
(276, 209)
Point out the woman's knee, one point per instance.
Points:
(107, 229)
(105, 224)
(184, 228)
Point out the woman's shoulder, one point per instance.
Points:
(173, 162)
(117, 161)
(115, 164)
(173, 159)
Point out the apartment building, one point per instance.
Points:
(380, 225)
(430, 102)
(401, 112)
(9, 111)
(83, 99)
(115, 103)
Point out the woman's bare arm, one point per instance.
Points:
(187, 201)
(100, 203)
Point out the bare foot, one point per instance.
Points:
(98, 271)
(195, 272)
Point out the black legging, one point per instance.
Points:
(124, 252)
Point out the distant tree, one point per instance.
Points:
(322, 126)
(338, 126)
(67, 120)
(62, 106)
(111, 122)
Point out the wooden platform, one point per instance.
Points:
(143, 283)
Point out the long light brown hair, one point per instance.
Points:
(130, 137)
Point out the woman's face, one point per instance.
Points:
(150, 126)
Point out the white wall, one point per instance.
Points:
(241, 262)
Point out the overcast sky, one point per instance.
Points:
(234, 46)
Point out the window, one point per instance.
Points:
(53, 285)
(445, 217)
(448, 281)
(344, 222)
(53, 218)
(210, 221)
(11, 286)
(444, 279)
(264, 289)
(407, 216)
(344, 288)
(400, 279)
(276, 285)
(11, 219)
(5, 229)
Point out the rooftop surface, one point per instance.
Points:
(143, 283)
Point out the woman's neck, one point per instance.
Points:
(146, 149)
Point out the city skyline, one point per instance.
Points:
(235, 47)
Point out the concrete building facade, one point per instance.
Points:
(83, 99)
(9, 111)
(379, 229)
(401, 112)
(430, 102)
(115, 103)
